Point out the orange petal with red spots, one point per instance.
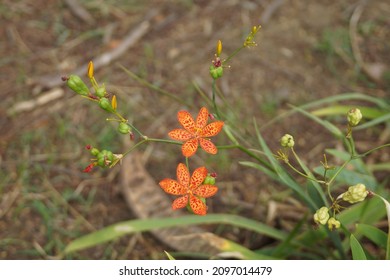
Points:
(208, 146)
(198, 177)
(183, 175)
(202, 118)
(172, 187)
(197, 206)
(180, 134)
(212, 129)
(180, 202)
(186, 120)
(189, 148)
(206, 190)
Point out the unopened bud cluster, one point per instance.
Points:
(354, 116)
(355, 193)
(287, 141)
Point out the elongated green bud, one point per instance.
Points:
(76, 84)
(105, 104)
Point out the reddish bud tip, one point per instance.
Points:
(88, 168)
(131, 136)
(64, 78)
(213, 174)
(88, 147)
(211, 116)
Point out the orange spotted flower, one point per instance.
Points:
(190, 189)
(195, 133)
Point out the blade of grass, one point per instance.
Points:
(128, 227)
(357, 249)
(282, 173)
(373, 233)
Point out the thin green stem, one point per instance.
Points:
(338, 172)
(233, 54)
(372, 150)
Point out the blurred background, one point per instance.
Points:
(307, 50)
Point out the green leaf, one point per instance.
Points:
(329, 126)
(133, 226)
(283, 174)
(368, 112)
(372, 233)
(357, 249)
(169, 256)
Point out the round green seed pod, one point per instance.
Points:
(124, 128)
(94, 151)
(101, 92)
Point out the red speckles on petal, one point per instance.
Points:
(189, 148)
(197, 177)
(172, 187)
(206, 190)
(202, 118)
(180, 134)
(212, 129)
(197, 206)
(186, 120)
(183, 175)
(180, 202)
(208, 146)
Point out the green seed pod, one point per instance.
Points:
(94, 151)
(110, 156)
(209, 180)
(101, 162)
(101, 92)
(124, 128)
(105, 104)
(216, 72)
(76, 84)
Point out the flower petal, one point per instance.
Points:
(198, 177)
(202, 118)
(189, 148)
(172, 187)
(180, 134)
(208, 146)
(186, 120)
(197, 205)
(212, 129)
(206, 190)
(183, 175)
(180, 202)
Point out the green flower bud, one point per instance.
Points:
(76, 84)
(209, 180)
(124, 128)
(101, 92)
(105, 104)
(216, 72)
(354, 116)
(321, 216)
(333, 223)
(287, 141)
(94, 151)
(355, 193)
(101, 161)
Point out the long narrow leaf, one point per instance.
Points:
(372, 233)
(283, 175)
(357, 249)
(128, 227)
